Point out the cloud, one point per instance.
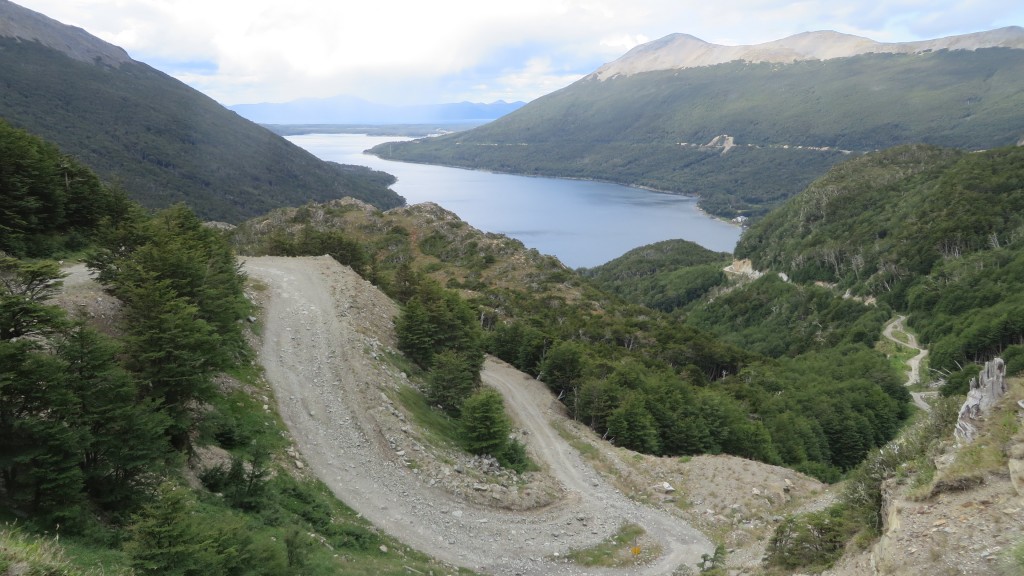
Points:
(395, 51)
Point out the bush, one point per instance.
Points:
(514, 457)
(959, 383)
(810, 542)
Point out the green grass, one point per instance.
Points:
(439, 429)
(618, 550)
(23, 553)
(898, 355)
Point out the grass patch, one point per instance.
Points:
(622, 549)
(586, 449)
(22, 553)
(898, 355)
(439, 428)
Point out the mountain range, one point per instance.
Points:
(352, 110)
(747, 127)
(678, 51)
(161, 140)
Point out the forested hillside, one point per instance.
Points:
(636, 375)
(935, 232)
(665, 275)
(159, 139)
(788, 123)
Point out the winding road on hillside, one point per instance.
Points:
(321, 358)
(914, 364)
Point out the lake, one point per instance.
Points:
(583, 223)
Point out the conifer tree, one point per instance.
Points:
(484, 422)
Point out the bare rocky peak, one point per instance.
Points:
(26, 25)
(677, 51)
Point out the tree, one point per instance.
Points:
(172, 350)
(451, 380)
(434, 320)
(484, 423)
(562, 368)
(632, 426)
(24, 287)
(166, 538)
(126, 433)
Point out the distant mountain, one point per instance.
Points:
(678, 51)
(161, 140)
(351, 110)
(747, 127)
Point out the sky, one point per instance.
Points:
(436, 51)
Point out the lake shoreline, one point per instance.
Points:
(722, 219)
(583, 222)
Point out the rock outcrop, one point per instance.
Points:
(986, 390)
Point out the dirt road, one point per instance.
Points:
(320, 352)
(914, 364)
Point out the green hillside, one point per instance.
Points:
(936, 232)
(665, 275)
(790, 123)
(165, 142)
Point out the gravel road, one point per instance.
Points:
(320, 355)
(914, 364)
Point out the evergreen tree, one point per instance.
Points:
(24, 287)
(484, 423)
(452, 379)
(166, 539)
(562, 368)
(126, 433)
(632, 426)
(172, 350)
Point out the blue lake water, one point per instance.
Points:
(582, 223)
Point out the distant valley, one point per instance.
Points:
(351, 110)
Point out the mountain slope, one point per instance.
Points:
(163, 141)
(932, 231)
(785, 124)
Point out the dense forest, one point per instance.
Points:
(790, 123)
(933, 232)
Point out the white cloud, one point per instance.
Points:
(446, 50)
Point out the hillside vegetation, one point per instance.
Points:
(132, 429)
(632, 373)
(934, 232)
(97, 421)
(789, 123)
(164, 142)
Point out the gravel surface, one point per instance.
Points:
(322, 352)
(914, 364)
